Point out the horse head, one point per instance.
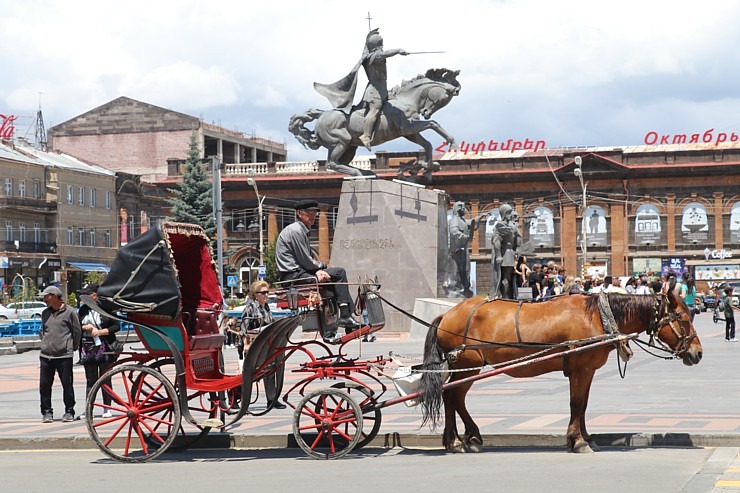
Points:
(673, 327)
(428, 93)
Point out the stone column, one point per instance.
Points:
(617, 215)
(670, 210)
(272, 226)
(475, 248)
(324, 250)
(568, 240)
(719, 232)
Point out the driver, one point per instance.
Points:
(295, 262)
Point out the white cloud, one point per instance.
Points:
(571, 72)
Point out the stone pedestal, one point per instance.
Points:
(397, 232)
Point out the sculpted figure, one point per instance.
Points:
(505, 240)
(460, 231)
(381, 115)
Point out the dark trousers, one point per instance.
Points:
(63, 367)
(338, 275)
(729, 327)
(93, 371)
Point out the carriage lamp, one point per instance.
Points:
(292, 298)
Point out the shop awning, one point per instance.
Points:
(88, 266)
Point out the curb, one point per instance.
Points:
(412, 441)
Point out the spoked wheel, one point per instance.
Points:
(144, 413)
(204, 407)
(327, 424)
(371, 418)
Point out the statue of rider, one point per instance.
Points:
(504, 242)
(341, 93)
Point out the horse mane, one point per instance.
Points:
(437, 75)
(625, 307)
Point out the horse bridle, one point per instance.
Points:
(665, 318)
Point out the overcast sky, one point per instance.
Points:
(568, 72)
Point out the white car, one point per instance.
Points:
(22, 309)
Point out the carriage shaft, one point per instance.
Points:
(519, 364)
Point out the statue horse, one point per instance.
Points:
(480, 332)
(340, 132)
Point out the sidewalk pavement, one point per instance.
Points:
(658, 403)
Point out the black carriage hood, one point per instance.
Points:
(142, 278)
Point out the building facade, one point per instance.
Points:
(138, 138)
(59, 215)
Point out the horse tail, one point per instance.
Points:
(303, 134)
(430, 394)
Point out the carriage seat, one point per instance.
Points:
(201, 325)
(309, 296)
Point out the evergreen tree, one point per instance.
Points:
(193, 199)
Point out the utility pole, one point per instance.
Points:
(218, 211)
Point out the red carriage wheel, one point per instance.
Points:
(144, 413)
(327, 424)
(371, 417)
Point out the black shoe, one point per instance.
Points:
(276, 405)
(48, 418)
(348, 323)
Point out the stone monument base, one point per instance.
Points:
(396, 231)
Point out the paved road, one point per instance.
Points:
(372, 470)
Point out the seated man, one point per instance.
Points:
(295, 262)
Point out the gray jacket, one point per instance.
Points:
(60, 333)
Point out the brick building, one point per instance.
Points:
(139, 138)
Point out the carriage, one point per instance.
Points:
(175, 391)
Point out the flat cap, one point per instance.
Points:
(51, 290)
(307, 205)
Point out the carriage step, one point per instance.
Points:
(212, 423)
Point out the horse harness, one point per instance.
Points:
(609, 323)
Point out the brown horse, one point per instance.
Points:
(480, 332)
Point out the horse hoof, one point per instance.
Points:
(475, 445)
(582, 448)
(456, 447)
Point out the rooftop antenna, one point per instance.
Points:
(41, 142)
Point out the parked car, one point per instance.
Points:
(710, 301)
(22, 309)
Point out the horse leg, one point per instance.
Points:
(580, 384)
(450, 439)
(586, 436)
(472, 439)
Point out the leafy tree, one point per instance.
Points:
(270, 265)
(193, 198)
(94, 277)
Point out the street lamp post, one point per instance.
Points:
(584, 242)
(260, 199)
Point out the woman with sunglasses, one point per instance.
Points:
(255, 316)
